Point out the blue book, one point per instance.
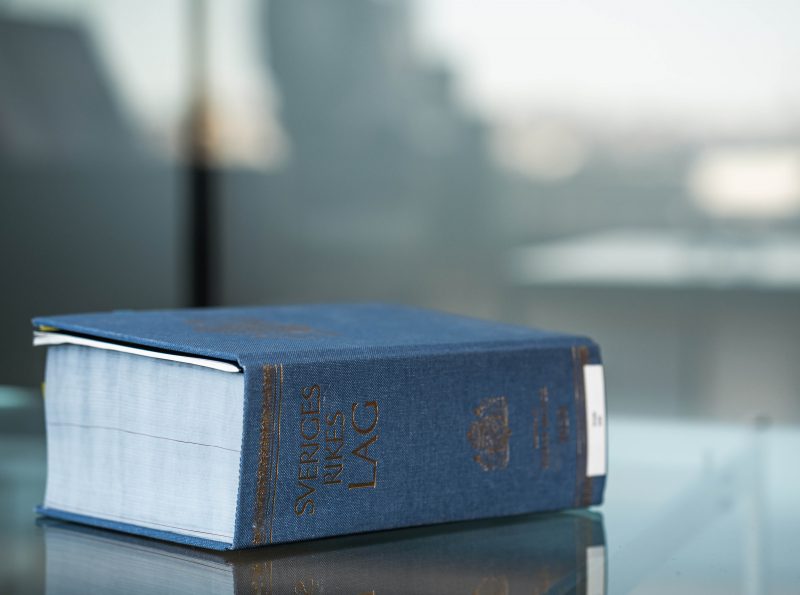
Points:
(236, 427)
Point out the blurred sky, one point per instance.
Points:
(697, 67)
(712, 65)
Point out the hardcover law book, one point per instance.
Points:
(233, 428)
(558, 553)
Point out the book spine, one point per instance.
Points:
(393, 440)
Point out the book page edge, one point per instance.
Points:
(45, 338)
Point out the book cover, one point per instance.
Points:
(366, 417)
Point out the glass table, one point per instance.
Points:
(691, 507)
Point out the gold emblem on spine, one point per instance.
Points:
(489, 434)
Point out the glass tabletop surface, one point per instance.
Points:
(690, 507)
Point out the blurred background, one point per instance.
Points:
(616, 168)
(628, 170)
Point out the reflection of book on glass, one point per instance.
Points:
(231, 428)
(559, 553)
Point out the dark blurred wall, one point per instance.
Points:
(88, 220)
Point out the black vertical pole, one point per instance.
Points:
(201, 246)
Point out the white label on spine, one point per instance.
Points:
(595, 392)
(595, 570)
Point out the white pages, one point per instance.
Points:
(143, 441)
